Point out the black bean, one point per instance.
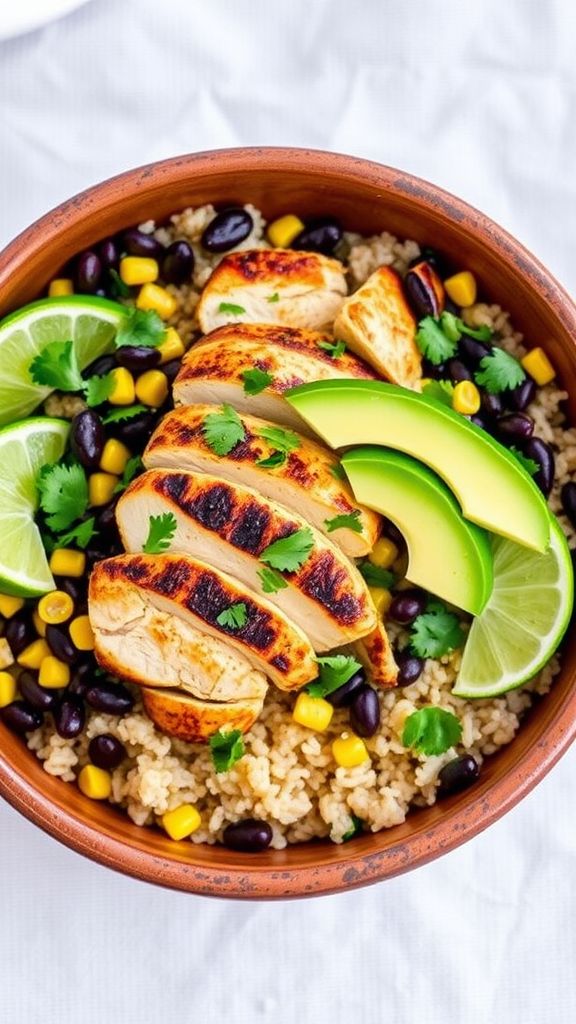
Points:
(229, 228)
(75, 587)
(19, 632)
(521, 396)
(171, 369)
(138, 357)
(61, 645)
(248, 836)
(472, 351)
(515, 426)
(434, 372)
(178, 263)
(365, 712)
(409, 668)
(20, 717)
(479, 421)
(541, 452)
(345, 694)
(106, 524)
(390, 530)
(407, 605)
(100, 367)
(458, 371)
(112, 698)
(106, 751)
(492, 405)
(87, 438)
(88, 272)
(69, 716)
(320, 235)
(37, 696)
(96, 553)
(568, 496)
(457, 775)
(137, 430)
(109, 252)
(424, 290)
(82, 678)
(138, 243)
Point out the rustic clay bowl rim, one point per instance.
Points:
(361, 862)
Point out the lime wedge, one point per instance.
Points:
(524, 620)
(90, 322)
(24, 448)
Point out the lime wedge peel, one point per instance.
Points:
(524, 620)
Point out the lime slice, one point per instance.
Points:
(90, 322)
(524, 620)
(24, 449)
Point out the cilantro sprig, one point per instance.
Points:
(454, 327)
(356, 828)
(63, 492)
(333, 671)
(431, 731)
(223, 430)
(289, 553)
(436, 632)
(499, 372)
(161, 530)
(433, 343)
(282, 443)
(141, 327)
(335, 349)
(131, 469)
(255, 380)
(231, 307)
(56, 366)
(226, 748)
(375, 576)
(80, 535)
(348, 521)
(529, 465)
(441, 390)
(124, 412)
(271, 580)
(233, 617)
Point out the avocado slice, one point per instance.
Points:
(447, 555)
(493, 489)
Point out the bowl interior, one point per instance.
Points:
(368, 199)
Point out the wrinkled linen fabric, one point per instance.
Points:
(480, 98)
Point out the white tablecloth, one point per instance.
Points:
(481, 99)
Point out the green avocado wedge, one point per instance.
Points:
(447, 555)
(493, 489)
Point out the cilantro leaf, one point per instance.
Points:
(354, 830)
(273, 298)
(289, 553)
(454, 328)
(56, 366)
(118, 288)
(431, 731)
(123, 412)
(226, 748)
(233, 617)
(161, 529)
(223, 430)
(272, 461)
(334, 349)
(441, 390)
(530, 465)
(98, 389)
(271, 580)
(255, 380)
(435, 632)
(282, 441)
(334, 671)
(499, 371)
(131, 469)
(80, 535)
(230, 307)
(140, 327)
(432, 341)
(63, 494)
(349, 521)
(375, 576)
(337, 470)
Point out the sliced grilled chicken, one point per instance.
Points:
(377, 323)
(212, 370)
(375, 653)
(273, 286)
(195, 721)
(188, 589)
(231, 526)
(305, 481)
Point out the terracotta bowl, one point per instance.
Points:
(368, 198)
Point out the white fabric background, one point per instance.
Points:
(479, 97)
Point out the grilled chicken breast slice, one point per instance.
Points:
(188, 589)
(306, 481)
(273, 286)
(377, 323)
(375, 653)
(230, 526)
(212, 370)
(195, 721)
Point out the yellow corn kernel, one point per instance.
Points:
(67, 562)
(138, 270)
(461, 288)
(10, 605)
(39, 626)
(122, 387)
(55, 607)
(6, 656)
(382, 599)
(537, 364)
(101, 488)
(312, 712)
(114, 457)
(54, 674)
(384, 553)
(349, 750)
(181, 822)
(152, 296)
(172, 347)
(95, 782)
(283, 231)
(33, 655)
(60, 286)
(7, 689)
(81, 633)
(466, 398)
(152, 388)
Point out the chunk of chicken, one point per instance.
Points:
(188, 589)
(195, 721)
(377, 323)
(375, 653)
(230, 527)
(273, 286)
(212, 370)
(306, 481)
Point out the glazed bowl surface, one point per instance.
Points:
(368, 198)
